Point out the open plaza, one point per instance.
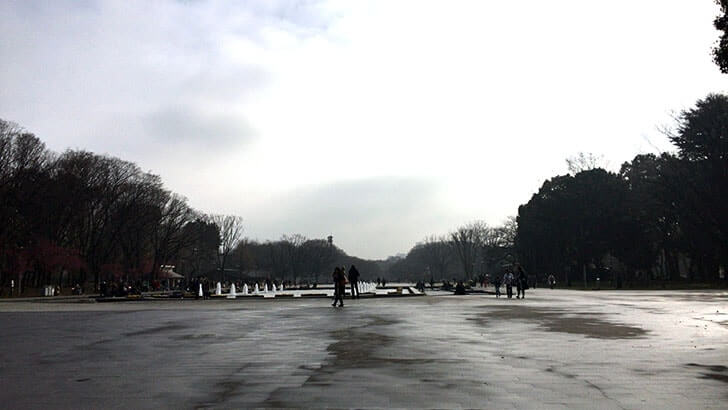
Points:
(555, 349)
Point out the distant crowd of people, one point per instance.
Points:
(513, 277)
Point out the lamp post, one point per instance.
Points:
(195, 263)
(330, 239)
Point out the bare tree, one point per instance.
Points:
(437, 254)
(497, 243)
(231, 233)
(9, 132)
(294, 253)
(167, 238)
(502, 236)
(509, 230)
(466, 241)
(586, 161)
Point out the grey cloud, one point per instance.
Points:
(302, 15)
(114, 76)
(187, 125)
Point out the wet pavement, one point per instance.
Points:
(555, 349)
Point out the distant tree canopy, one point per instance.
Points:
(469, 252)
(720, 52)
(573, 221)
(702, 133)
(658, 213)
(297, 259)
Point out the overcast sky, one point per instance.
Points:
(379, 122)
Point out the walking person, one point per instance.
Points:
(552, 280)
(521, 282)
(339, 278)
(354, 280)
(497, 285)
(508, 281)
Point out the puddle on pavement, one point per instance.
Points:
(192, 336)
(712, 372)
(354, 348)
(158, 329)
(588, 324)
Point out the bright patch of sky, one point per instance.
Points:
(378, 122)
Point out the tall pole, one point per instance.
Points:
(330, 239)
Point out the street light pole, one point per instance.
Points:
(330, 239)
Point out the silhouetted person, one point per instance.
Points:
(508, 281)
(552, 280)
(354, 280)
(339, 286)
(460, 288)
(497, 285)
(521, 282)
(206, 292)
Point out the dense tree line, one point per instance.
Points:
(79, 217)
(296, 259)
(661, 217)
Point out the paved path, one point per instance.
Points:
(556, 349)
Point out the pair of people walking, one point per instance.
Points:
(340, 279)
(519, 279)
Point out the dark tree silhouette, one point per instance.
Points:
(720, 52)
(702, 140)
(466, 242)
(231, 231)
(78, 215)
(572, 222)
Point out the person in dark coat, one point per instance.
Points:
(521, 282)
(354, 280)
(339, 278)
